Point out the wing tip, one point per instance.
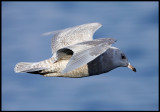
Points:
(48, 33)
(97, 24)
(53, 32)
(114, 40)
(111, 40)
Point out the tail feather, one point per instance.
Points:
(27, 67)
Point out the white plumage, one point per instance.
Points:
(76, 54)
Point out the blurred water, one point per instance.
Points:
(133, 24)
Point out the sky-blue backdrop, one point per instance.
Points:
(133, 24)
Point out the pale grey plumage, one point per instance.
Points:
(87, 51)
(72, 35)
(76, 54)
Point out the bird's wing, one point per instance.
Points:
(72, 35)
(87, 51)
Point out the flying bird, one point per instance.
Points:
(76, 54)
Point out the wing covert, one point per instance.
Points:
(73, 35)
(97, 47)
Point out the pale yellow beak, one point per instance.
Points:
(131, 67)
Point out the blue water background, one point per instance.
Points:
(133, 24)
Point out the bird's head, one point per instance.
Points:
(121, 60)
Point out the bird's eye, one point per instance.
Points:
(123, 57)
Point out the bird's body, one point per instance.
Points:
(95, 67)
(76, 54)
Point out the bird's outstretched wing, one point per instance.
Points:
(72, 35)
(85, 52)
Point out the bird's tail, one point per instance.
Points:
(28, 67)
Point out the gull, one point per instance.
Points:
(76, 54)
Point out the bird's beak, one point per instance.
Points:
(131, 67)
